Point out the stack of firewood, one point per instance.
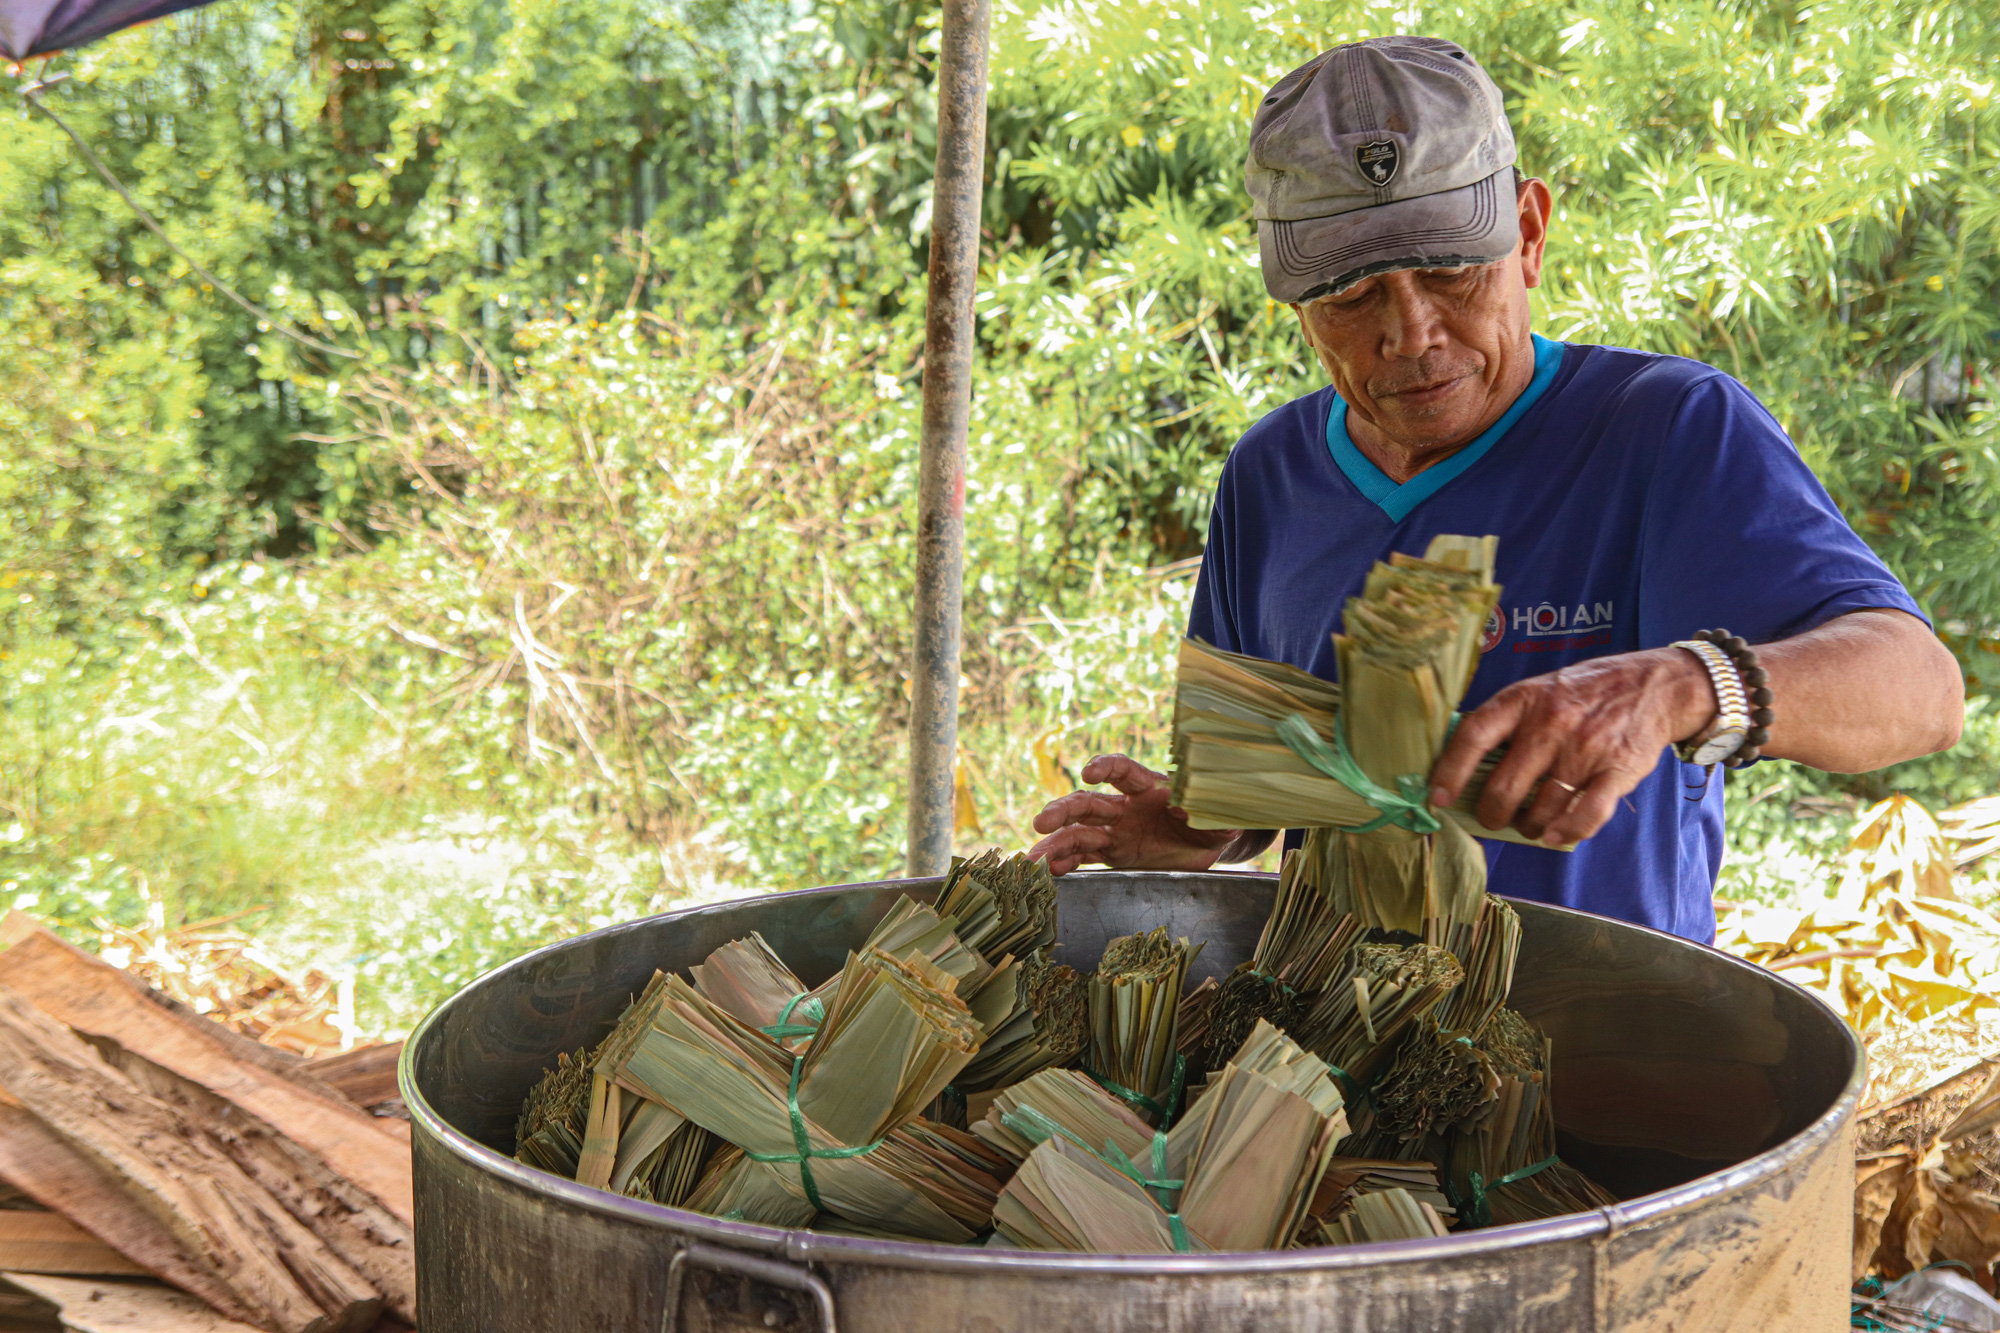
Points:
(142, 1141)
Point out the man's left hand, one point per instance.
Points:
(1862, 691)
(1588, 734)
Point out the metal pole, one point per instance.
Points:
(955, 209)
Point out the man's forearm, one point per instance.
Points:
(1863, 691)
(1247, 846)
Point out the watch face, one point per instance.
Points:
(1719, 746)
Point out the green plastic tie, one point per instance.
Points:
(803, 1142)
(1175, 1227)
(1165, 1111)
(1157, 1181)
(1175, 1091)
(1274, 979)
(1038, 1128)
(814, 1014)
(1406, 807)
(1123, 1093)
(1481, 1211)
(1353, 1094)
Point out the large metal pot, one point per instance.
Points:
(1715, 1098)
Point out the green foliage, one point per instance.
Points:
(103, 491)
(599, 589)
(1801, 196)
(671, 576)
(389, 175)
(1808, 205)
(233, 762)
(218, 763)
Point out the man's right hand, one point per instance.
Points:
(1134, 829)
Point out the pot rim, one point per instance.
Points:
(802, 1245)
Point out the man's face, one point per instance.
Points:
(1426, 359)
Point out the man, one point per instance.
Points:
(1637, 499)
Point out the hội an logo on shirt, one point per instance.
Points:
(1555, 626)
(1496, 630)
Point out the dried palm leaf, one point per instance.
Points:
(1031, 1111)
(895, 1033)
(1134, 1003)
(1391, 1214)
(1001, 907)
(1192, 1020)
(1510, 1147)
(549, 1133)
(1240, 1174)
(747, 978)
(1308, 935)
(669, 1173)
(1066, 1197)
(1049, 1026)
(1347, 1178)
(1256, 1163)
(1365, 1010)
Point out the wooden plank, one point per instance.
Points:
(43, 1242)
(365, 1076)
(57, 1175)
(93, 997)
(352, 1222)
(18, 925)
(276, 1267)
(396, 1128)
(24, 1312)
(122, 1307)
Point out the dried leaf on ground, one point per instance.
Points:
(219, 970)
(1892, 947)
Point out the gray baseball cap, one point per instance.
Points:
(1379, 155)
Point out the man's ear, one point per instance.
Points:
(1536, 204)
(1304, 328)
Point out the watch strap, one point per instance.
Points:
(1724, 734)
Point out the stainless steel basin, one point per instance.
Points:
(1716, 1098)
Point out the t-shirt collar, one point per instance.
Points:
(1397, 501)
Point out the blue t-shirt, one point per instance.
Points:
(1637, 498)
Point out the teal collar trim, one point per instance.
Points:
(1398, 501)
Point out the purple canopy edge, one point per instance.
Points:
(40, 27)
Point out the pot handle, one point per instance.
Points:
(774, 1271)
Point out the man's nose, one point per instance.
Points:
(1412, 323)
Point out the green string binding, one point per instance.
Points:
(813, 1014)
(1176, 1227)
(1352, 1093)
(1481, 1212)
(1164, 1111)
(803, 1142)
(1407, 807)
(1037, 1128)
(1290, 991)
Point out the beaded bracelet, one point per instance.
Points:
(1756, 685)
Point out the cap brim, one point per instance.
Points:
(1310, 257)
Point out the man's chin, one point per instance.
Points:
(1446, 420)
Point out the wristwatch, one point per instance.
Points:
(1723, 736)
